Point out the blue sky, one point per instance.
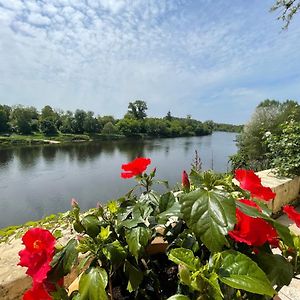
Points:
(213, 59)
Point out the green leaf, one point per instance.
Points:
(185, 257)
(91, 225)
(92, 284)
(214, 287)
(166, 201)
(174, 210)
(239, 271)
(115, 252)
(210, 214)
(150, 197)
(178, 297)
(64, 260)
(137, 239)
(284, 233)
(277, 268)
(135, 276)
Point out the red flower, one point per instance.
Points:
(37, 292)
(253, 231)
(38, 253)
(251, 182)
(292, 214)
(185, 180)
(135, 167)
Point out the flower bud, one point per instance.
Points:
(185, 180)
(74, 203)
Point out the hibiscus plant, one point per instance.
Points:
(211, 239)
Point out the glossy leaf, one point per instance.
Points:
(92, 284)
(64, 260)
(91, 225)
(210, 214)
(184, 257)
(277, 268)
(178, 297)
(135, 276)
(115, 252)
(137, 239)
(239, 271)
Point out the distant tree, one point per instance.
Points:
(79, 116)
(105, 119)
(48, 121)
(47, 126)
(169, 116)
(288, 8)
(5, 111)
(109, 128)
(90, 123)
(129, 127)
(137, 109)
(67, 122)
(22, 119)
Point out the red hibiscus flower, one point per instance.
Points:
(292, 214)
(251, 182)
(253, 231)
(38, 291)
(135, 167)
(38, 253)
(185, 180)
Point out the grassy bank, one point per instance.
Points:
(41, 139)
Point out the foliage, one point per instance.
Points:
(51, 122)
(182, 245)
(268, 117)
(137, 109)
(284, 149)
(288, 9)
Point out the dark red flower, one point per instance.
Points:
(253, 231)
(38, 253)
(37, 292)
(135, 167)
(292, 214)
(251, 182)
(185, 180)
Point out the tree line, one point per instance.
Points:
(26, 120)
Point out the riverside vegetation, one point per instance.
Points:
(271, 139)
(19, 125)
(215, 242)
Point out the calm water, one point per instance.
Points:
(37, 181)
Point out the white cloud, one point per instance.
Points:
(101, 54)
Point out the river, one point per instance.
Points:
(41, 180)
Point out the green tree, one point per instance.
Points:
(47, 126)
(5, 111)
(109, 128)
(137, 109)
(23, 118)
(129, 127)
(67, 122)
(288, 8)
(268, 117)
(90, 123)
(79, 116)
(284, 149)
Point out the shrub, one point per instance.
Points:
(284, 149)
(211, 240)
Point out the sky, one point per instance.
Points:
(212, 59)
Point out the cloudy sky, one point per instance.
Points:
(213, 59)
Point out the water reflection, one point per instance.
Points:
(40, 180)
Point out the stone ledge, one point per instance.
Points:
(287, 189)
